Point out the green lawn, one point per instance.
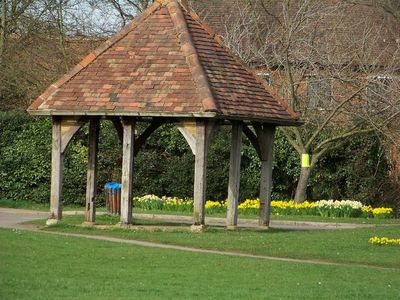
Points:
(345, 246)
(42, 266)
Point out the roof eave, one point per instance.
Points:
(122, 113)
(272, 121)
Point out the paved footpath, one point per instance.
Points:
(12, 218)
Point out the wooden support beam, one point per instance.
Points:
(118, 127)
(211, 129)
(188, 130)
(141, 140)
(204, 129)
(91, 187)
(70, 126)
(57, 158)
(264, 132)
(127, 170)
(234, 175)
(252, 138)
(265, 135)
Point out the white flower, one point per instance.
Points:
(339, 204)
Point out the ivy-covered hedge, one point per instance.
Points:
(355, 170)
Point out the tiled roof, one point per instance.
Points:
(165, 63)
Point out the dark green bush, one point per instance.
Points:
(25, 164)
(357, 169)
(25, 157)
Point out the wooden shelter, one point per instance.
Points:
(166, 66)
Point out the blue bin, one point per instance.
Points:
(113, 197)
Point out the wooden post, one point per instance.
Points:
(200, 174)
(266, 141)
(91, 187)
(234, 175)
(204, 130)
(57, 157)
(127, 170)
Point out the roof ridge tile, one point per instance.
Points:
(192, 58)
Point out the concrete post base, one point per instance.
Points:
(50, 222)
(197, 228)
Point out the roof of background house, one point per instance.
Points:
(166, 62)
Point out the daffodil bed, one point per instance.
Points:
(323, 208)
(383, 241)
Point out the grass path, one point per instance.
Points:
(344, 246)
(199, 250)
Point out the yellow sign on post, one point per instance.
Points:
(305, 160)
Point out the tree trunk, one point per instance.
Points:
(3, 25)
(301, 190)
(61, 34)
